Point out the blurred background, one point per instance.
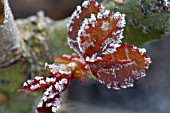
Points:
(56, 9)
(150, 94)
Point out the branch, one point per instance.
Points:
(10, 41)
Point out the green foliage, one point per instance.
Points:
(58, 38)
(16, 102)
(139, 28)
(136, 36)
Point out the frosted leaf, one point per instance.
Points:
(37, 84)
(48, 103)
(121, 23)
(75, 24)
(109, 27)
(75, 63)
(121, 68)
(51, 101)
(57, 69)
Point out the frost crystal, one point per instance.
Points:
(106, 13)
(142, 50)
(38, 78)
(78, 8)
(33, 87)
(60, 68)
(92, 59)
(85, 4)
(99, 15)
(29, 81)
(63, 81)
(92, 20)
(25, 84)
(105, 26)
(50, 79)
(42, 82)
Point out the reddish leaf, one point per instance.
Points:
(55, 86)
(39, 83)
(50, 102)
(102, 36)
(77, 65)
(89, 7)
(66, 69)
(121, 68)
(51, 106)
(57, 70)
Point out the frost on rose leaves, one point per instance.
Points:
(95, 35)
(65, 69)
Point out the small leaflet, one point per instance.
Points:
(77, 18)
(51, 101)
(55, 86)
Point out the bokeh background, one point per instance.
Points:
(56, 9)
(150, 94)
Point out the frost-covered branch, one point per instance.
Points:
(9, 37)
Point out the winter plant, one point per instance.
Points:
(95, 34)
